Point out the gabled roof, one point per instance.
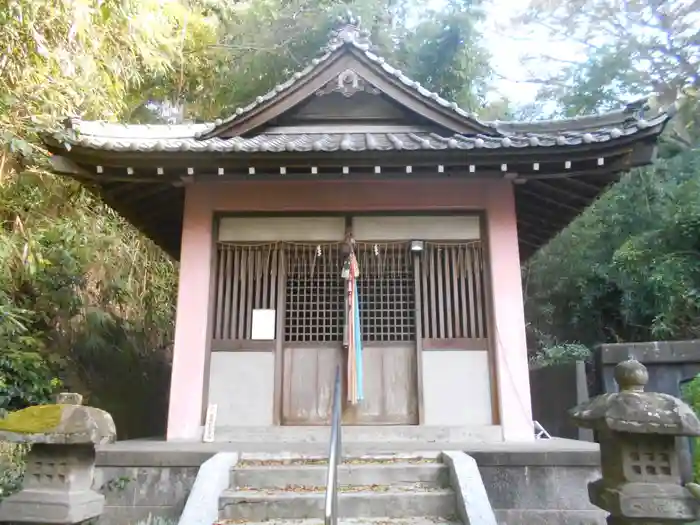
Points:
(189, 138)
(561, 165)
(349, 40)
(247, 129)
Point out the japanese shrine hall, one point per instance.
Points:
(352, 217)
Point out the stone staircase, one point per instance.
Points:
(373, 490)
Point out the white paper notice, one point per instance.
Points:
(264, 325)
(210, 424)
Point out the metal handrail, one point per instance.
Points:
(334, 457)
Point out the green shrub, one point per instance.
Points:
(11, 467)
(26, 379)
(691, 393)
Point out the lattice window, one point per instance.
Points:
(315, 307)
(247, 278)
(453, 291)
(387, 292)
(646, 458)
(315, 304)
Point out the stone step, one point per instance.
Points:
(381, 434)
(391, 502)
(384, 520)
(393, 474)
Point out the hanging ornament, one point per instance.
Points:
(355, 370)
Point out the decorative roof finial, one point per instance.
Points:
(631, 376)
(348, 31)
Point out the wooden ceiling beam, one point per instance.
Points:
(583, 185)
(540, 232)
(550, 225)
(551, 189)
(559, 204)
(544, 212)
(527, 231)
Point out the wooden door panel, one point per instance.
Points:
(308, 375)
(390, 386)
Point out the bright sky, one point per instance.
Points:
(508, 47)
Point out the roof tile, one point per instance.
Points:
(117, 137)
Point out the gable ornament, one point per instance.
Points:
(348, 83)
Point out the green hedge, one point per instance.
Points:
(691, 394)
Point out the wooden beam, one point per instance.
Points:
(544, 212)
(643, 154)
(535, 223)
(544, 198)
(149, 191)
(525, 237)
(582, 185)
(130, 215)
(520, 158)
(548, 229)
(526, 232)
(547, 188)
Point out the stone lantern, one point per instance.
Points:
(637, 430)
(57, 487)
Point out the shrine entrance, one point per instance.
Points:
(410, 295)
(316, 341)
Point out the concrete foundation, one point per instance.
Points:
(541, 482)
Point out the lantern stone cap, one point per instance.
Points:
(632, 410)
(65, 423)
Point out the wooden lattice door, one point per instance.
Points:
(314, 327)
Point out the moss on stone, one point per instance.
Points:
(33, 420)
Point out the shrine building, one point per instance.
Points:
(352, 217)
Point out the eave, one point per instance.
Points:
(557, 167)
(552, 185)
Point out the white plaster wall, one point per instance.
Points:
(242, 385)
(262, 229)
(414, 227)
(456, 388)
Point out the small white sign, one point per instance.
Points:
(210, 424)
(263, 325)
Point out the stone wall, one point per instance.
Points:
(139, 483)
(555, 389)
(541, 488)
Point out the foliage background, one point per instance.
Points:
(87, 303)
(627, 269)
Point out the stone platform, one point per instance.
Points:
(540, 482)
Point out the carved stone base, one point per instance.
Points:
(645, 503)
(56, 488)
(37, 506)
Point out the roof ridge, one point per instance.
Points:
(349, 35)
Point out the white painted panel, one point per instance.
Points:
(260, 229)
(264, 322)
(456, 388)
(242, 385)
(433, 228)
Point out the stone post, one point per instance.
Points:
(61, 463)
(637, 430)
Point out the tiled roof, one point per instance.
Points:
(118, 137)
(201, 137)
(351, 36)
